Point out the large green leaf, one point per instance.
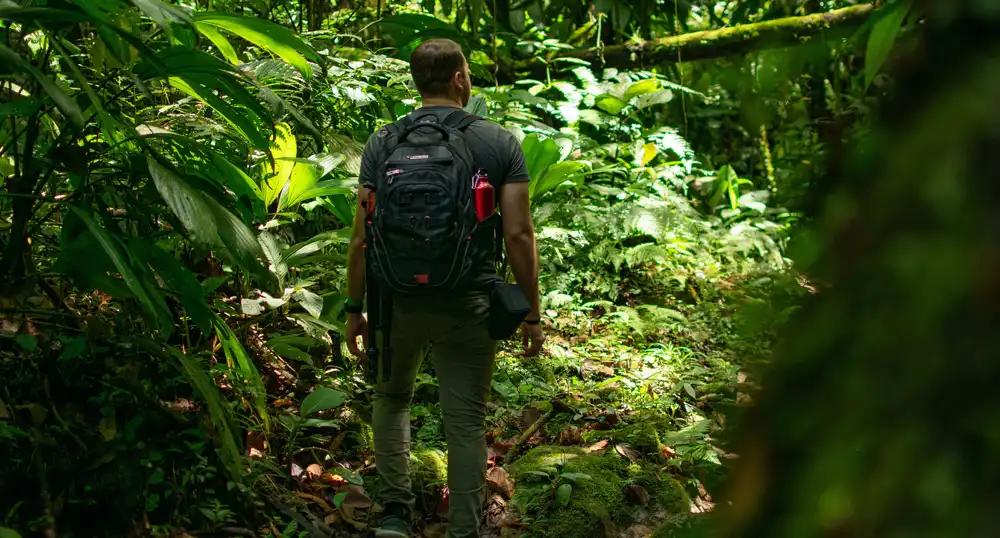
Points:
(641, 87)
(555, 175)
(238, 360)
(220, 41)
(209, 223)
(283, 151)
(137, 281)
(883, 36)
(271, 37)
(321, 399)
(539, 154)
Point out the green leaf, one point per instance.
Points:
(609, 103)
(217, 410)
(555, 175)
(236, 357)
(272, 251)
(271, 37)
(883, 36)
(539, 154)
(563, 493)
(154, 306)
(238, 119)
(311, 302)
(301, 180)
(64, 102)
(576, 477)
(321, 399)
(283, 152)
(210, 224)
(164, 15)
(641, 87)
(7, 532)
(26, 342)
(220, 41)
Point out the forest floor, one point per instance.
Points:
(608, 433)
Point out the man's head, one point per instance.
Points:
(439, 70)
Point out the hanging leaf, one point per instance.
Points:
(178, 279)
(321, 399)
(269, 36)
(883, 36)
(283, 151)
(609, 103)
(220, 41)
(210, 224)
(238, 360)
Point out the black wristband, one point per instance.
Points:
(532, 321)
(352, 307)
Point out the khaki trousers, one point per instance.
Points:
(455, 330)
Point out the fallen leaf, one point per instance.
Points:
(496, 511)
(626, 451)
(570, 435)
(318, 500)
(296, 471)
(256, 444)
(283, 402)
(597, 447)
(667, 452)
(597, 368)
(331, 519)
(334, 480)
(314, 471)
(500, 482)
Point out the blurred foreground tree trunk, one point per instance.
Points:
(880, 415)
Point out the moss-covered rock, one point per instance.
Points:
(643, 430)
(428, 474)
(595, 505)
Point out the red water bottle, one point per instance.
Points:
(483, 195)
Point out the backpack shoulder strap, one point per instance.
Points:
(460, 119)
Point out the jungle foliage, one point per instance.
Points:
(176, 185)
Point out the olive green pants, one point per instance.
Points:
(455, 330)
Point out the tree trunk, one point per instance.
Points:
(716, 43)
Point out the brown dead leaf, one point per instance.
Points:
(314, 471)
(626, 451)
(331, 519)
(500, 482)
(597, 447)
(354, 505)
(325, 506)
(334, 480)
(282, 402)
(495, 511)
(256, 444)
(667, 452)
(570, 435)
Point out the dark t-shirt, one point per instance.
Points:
(493, 148)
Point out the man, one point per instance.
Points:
(453, 325)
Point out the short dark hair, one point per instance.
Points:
(434, 63)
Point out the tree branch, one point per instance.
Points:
(709, 44)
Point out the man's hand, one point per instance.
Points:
(357, 326)
(532, 337)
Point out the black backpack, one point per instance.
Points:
(423, 235)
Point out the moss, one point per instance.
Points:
(428, 475)
(643, 431)
(594, 506)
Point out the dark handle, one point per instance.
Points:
(437, 126)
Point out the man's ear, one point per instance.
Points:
(458, 79)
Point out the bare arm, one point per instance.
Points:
(357, 325)
(519, 236)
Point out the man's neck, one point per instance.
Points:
(441, 101)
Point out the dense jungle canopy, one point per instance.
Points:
(769, 253)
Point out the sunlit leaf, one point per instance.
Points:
(641, 87)
(238, 360)
(274, 38)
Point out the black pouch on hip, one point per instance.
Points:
(508, 308)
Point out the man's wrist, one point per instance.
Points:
(354, 306)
